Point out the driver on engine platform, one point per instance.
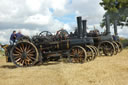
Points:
(13, 38)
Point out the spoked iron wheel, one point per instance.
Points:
(107, 48)
(120, 46)
(95, 50)
(116, 47)
(90, 53)
(77, 54)
(24, 54)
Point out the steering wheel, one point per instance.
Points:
(45, 33)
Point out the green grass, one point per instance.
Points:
(125, 43)
(126, 47)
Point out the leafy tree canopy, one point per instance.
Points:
(116, 9)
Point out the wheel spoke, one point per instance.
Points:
(29, 50)
(77, 50)
(18, 60)
(18, 52)
(22, 46)
(16, 55)
(29, 59)
(25, 48)
(81, 53)
(25, 62)
(21, 49)
(32, 58)
(18, 49)
(22, 62)
(30, 54)
(28, 47)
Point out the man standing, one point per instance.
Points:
(13, 38)
(19, 35)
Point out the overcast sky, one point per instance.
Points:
(34, 16)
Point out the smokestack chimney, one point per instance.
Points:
(79, 25)
(115, 27)
(107, 24)
(84, 28)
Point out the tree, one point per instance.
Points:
(117, 10)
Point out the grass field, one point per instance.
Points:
(102, 71)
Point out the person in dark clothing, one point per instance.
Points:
(13, 38)
(19, 35)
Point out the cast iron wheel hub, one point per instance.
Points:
(24, 55)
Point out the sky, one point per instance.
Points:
(33, 16)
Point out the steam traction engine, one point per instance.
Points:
(44, 47)
(106, 43)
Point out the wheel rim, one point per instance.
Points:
(107, 48)
(90, 53)
(77, 54)
(120, 46)
(116, 47)
(23, 39)
(95, 51)
(24, 54)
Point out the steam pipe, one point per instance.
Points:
(79, 25)
(84, 28)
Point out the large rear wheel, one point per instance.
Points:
(95, 50)
(90, 53)
(24, 54)
(77, 54)
(106, 48)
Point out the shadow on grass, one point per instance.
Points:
(38, 64)
(13, 66)
(47, 64)
(8, 66)
(103, 56)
